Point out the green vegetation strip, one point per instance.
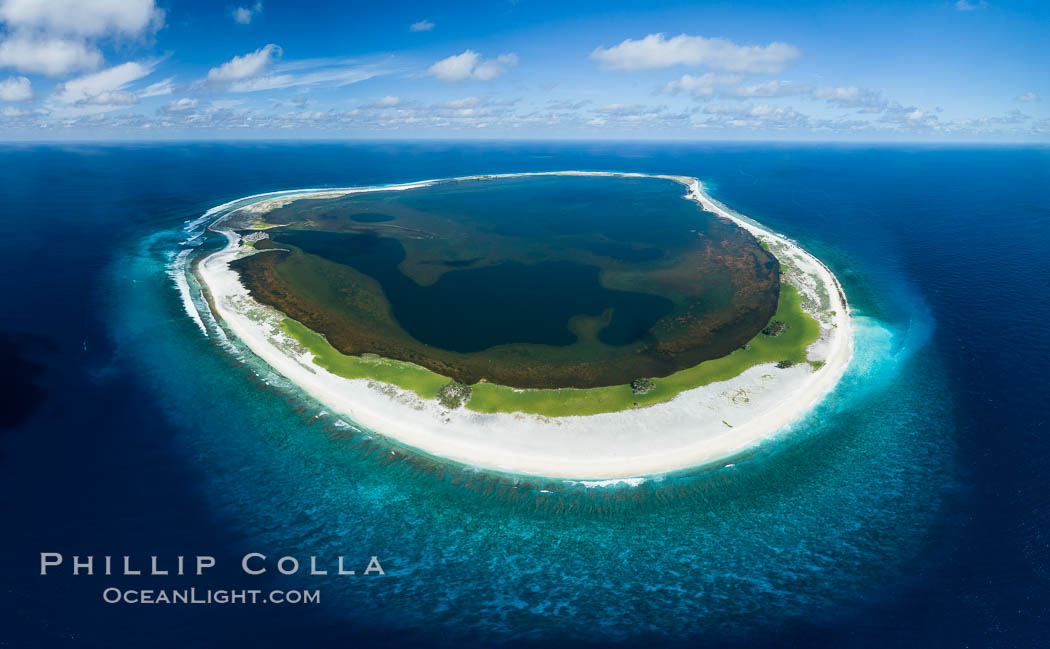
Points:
(801, 330)
(408, 376)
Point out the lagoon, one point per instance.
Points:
(532, 282)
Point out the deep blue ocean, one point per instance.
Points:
(910, 509)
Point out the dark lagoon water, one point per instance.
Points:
(910, 509)
(471, 310)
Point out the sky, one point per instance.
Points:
(948, 70)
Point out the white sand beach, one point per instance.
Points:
(699, 426)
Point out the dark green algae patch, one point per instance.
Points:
(534, 282)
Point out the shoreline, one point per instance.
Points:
(690, 430)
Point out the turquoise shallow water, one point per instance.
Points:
(905, 509)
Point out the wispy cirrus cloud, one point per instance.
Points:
(263, 70)
(331, 73)
(99, 92)
(158, 89)
(335, 76)
(421, 26)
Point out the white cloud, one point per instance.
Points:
(387, 102)
(58, 37)
(768, 113)
(634, 116)
(862, 100)
(182, 104)
(16, 89)
(773, 89)
(628, 110)
(703, 85)
(245, 66)
(468, 65)
(966, 5)
(753, 116)
(851, 97)
(870, 101)
(492, 69)
(104, 88)
(1014, 117)
(658, 51)
(457, 67)
(165, 87)
(48, 56)
(88, 18)
(244, 15)
(224, 104)
(1028, 96)
(421, 26)
(465, 102)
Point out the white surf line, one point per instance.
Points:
(177, 272)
